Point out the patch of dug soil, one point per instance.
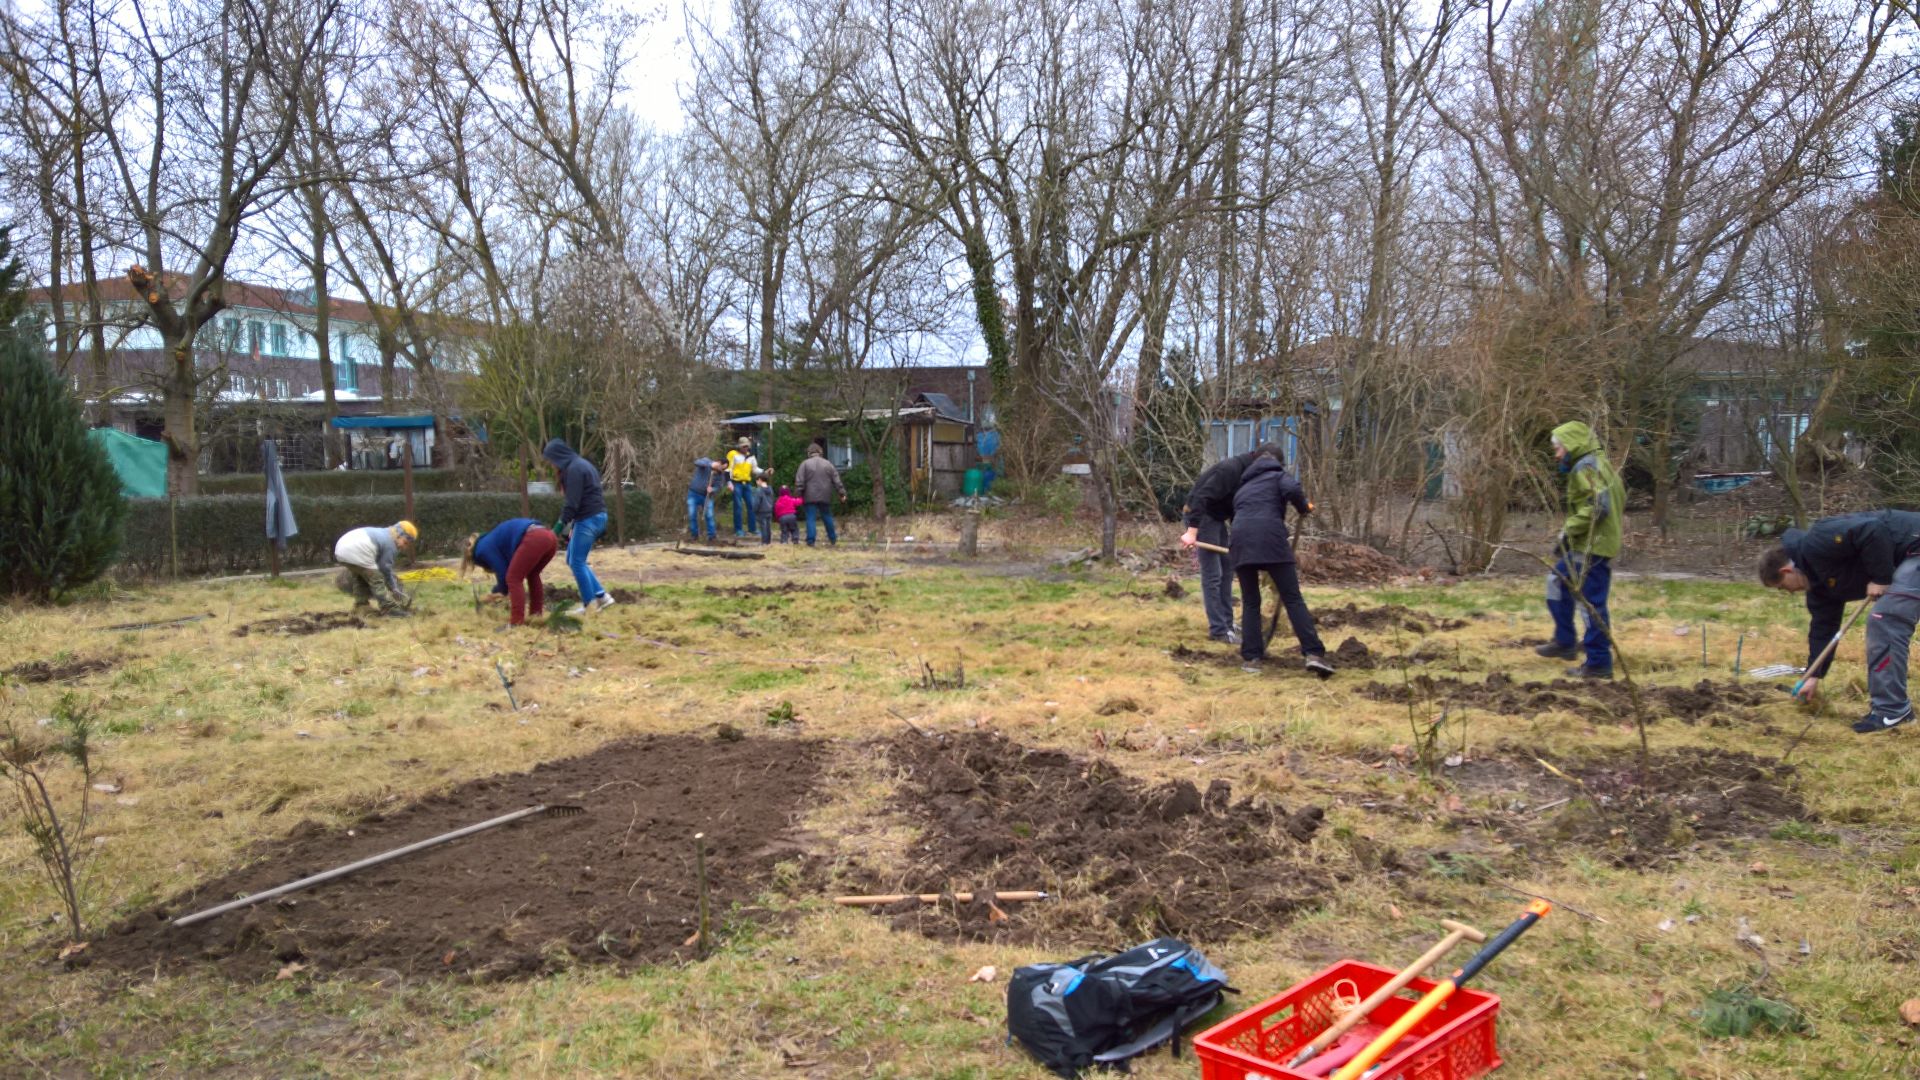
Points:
(781, 590)
(313, 622)
(1354, 617)
(1335, 562)
(1717, 703)
(614, 885)
(40, 671)
(558, 595)
(1690, 797)
(1124, 857)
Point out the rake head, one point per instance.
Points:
(563, 810)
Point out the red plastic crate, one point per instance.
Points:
(1454, 1042)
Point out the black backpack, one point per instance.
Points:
(1099, 1012)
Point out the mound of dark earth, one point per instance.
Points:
(1714, 702)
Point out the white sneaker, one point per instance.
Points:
(603, 602)
(577, 610)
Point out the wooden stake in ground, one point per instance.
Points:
(883, 899)
(700, 874)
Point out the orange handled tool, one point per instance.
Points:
(1438, 996)
(1456, 933)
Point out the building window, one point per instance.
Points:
(279, 339)
(254, 333)
(229, 337)
(349, 371)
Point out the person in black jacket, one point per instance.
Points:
(1208, 508)
(1867, 556)
(1260, 545)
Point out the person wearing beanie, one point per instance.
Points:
(763, 505)
(515, 551)
(818, 480)
(366, 557)
(582, 520)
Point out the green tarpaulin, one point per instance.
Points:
(141, 463)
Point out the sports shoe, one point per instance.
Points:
(1557, 652)
(603, 602)
(1873, 722)
(1582, 671)
(1319, 666)
(1229, 638)
(577, 610)
(1251, 667)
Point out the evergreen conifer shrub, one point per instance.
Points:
(61, 512)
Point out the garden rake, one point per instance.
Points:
(375, 860)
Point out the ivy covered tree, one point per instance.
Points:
(61, 512)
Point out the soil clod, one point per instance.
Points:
(1387, 617)
(313, 622)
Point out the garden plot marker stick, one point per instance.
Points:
(1438, 996)
(1456, 933)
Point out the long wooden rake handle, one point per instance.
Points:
(371, 860)
(1831, 646)
(1457, 932)
(883, 899)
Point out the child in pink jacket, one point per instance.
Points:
(786, 510)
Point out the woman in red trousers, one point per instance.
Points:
(516, 550)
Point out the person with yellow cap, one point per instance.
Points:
(366, 557)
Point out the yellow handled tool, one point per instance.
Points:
(1457, 933)
(1438, 996)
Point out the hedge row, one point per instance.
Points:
(226, 534)
(336, 482)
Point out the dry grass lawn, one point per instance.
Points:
(220, 743)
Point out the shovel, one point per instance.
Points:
(1828, 651)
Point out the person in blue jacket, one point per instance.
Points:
(516, 550)
(582, 520)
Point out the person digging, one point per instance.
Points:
(366, 557)
(1260, 545)
(1208, 508)
(515, 552)
(1874, 555)
(1590, 540)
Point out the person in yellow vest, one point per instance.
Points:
(741, 465)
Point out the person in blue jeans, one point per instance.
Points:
(1590, 539)
(582, 520)
(699, 495)
(816, 482)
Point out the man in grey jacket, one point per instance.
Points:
(816, 482)
(367, 556)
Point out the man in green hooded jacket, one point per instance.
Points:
(1589, 542)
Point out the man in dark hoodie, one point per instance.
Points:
(1261, 545)
(1208, 508)
(585, 514)
(1867, 556)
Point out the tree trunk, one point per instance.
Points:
(322, 324)
(1658, 464)
(1109, 498)
(183, 443)
(878, 477)
(767, 288)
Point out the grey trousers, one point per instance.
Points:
(1216, 580)
(1890, 638)
(367, 586)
